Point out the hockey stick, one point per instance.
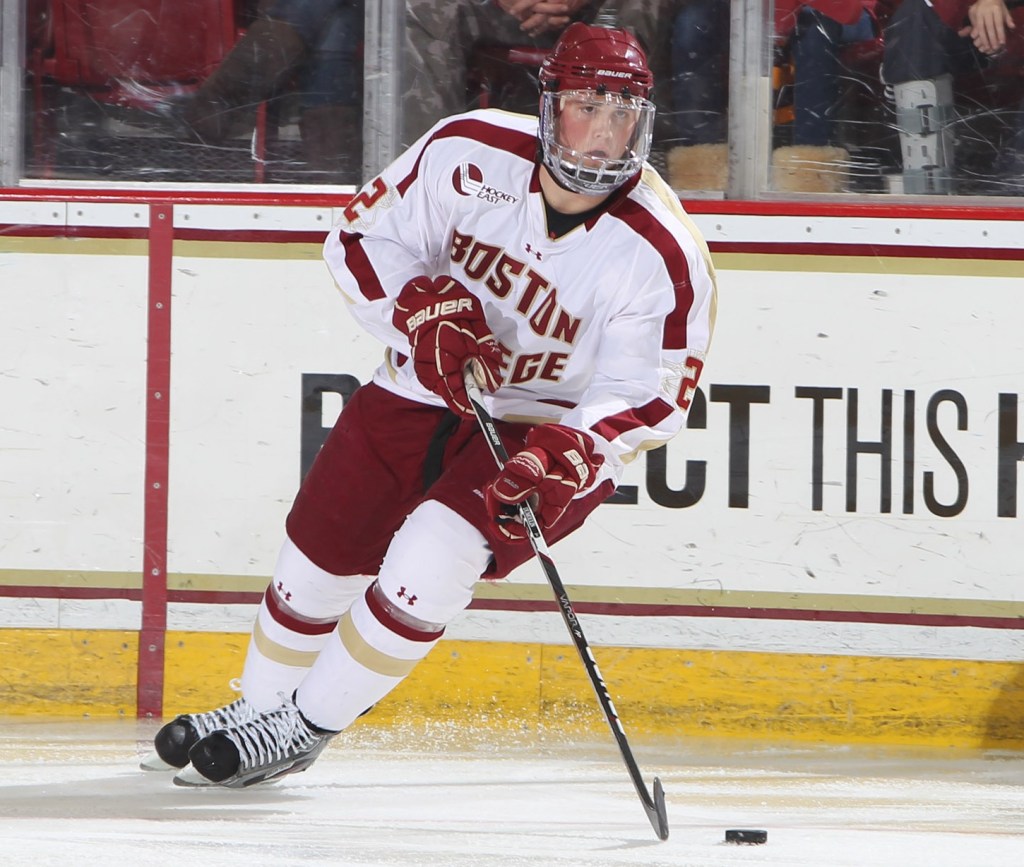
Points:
(653, 806)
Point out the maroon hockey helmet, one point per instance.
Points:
(596, 117)
(597, 58)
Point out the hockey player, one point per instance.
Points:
(551, 255)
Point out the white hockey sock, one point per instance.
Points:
(426, 579)
(297, 616)
(370, 653)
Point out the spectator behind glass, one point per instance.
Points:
(816, 162)
(440, 36)
(317, 43)
(814, 32)
(928, 45)
(700, 94)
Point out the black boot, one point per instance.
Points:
(272, 745)
(254, 71)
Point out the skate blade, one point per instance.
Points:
(248, 781)
(190, 778)
(153, 762)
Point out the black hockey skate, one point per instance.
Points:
(266, 748)
(176, 738)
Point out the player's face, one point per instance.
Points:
(597, 126)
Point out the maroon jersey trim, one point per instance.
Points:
(359, 264)
(508, 140)
(641, 221)
(648, 415)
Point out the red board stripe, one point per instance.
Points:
(611, 609)
(24, 591)
(878, 208)
(882, 207)
(627, 609)
(64, 231)
(872, 250)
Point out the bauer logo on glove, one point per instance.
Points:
(557, 464)
(446, 328)
(443, 309)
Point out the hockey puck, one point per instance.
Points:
(746, 835)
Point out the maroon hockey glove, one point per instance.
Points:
(446, 328)
(557, 463)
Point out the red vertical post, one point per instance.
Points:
(158, 419)
(259, 143)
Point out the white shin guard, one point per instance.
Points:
(297, 616)
(925, 118)
(426, 579)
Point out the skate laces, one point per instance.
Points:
(235, 714)
(271, 737)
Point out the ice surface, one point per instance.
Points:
(71, 793)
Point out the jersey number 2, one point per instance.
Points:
(366, 198)
(691, 373)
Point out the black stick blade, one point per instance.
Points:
(657, 812)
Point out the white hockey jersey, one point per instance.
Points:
(604, 329)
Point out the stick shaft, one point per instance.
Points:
(655, 807)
